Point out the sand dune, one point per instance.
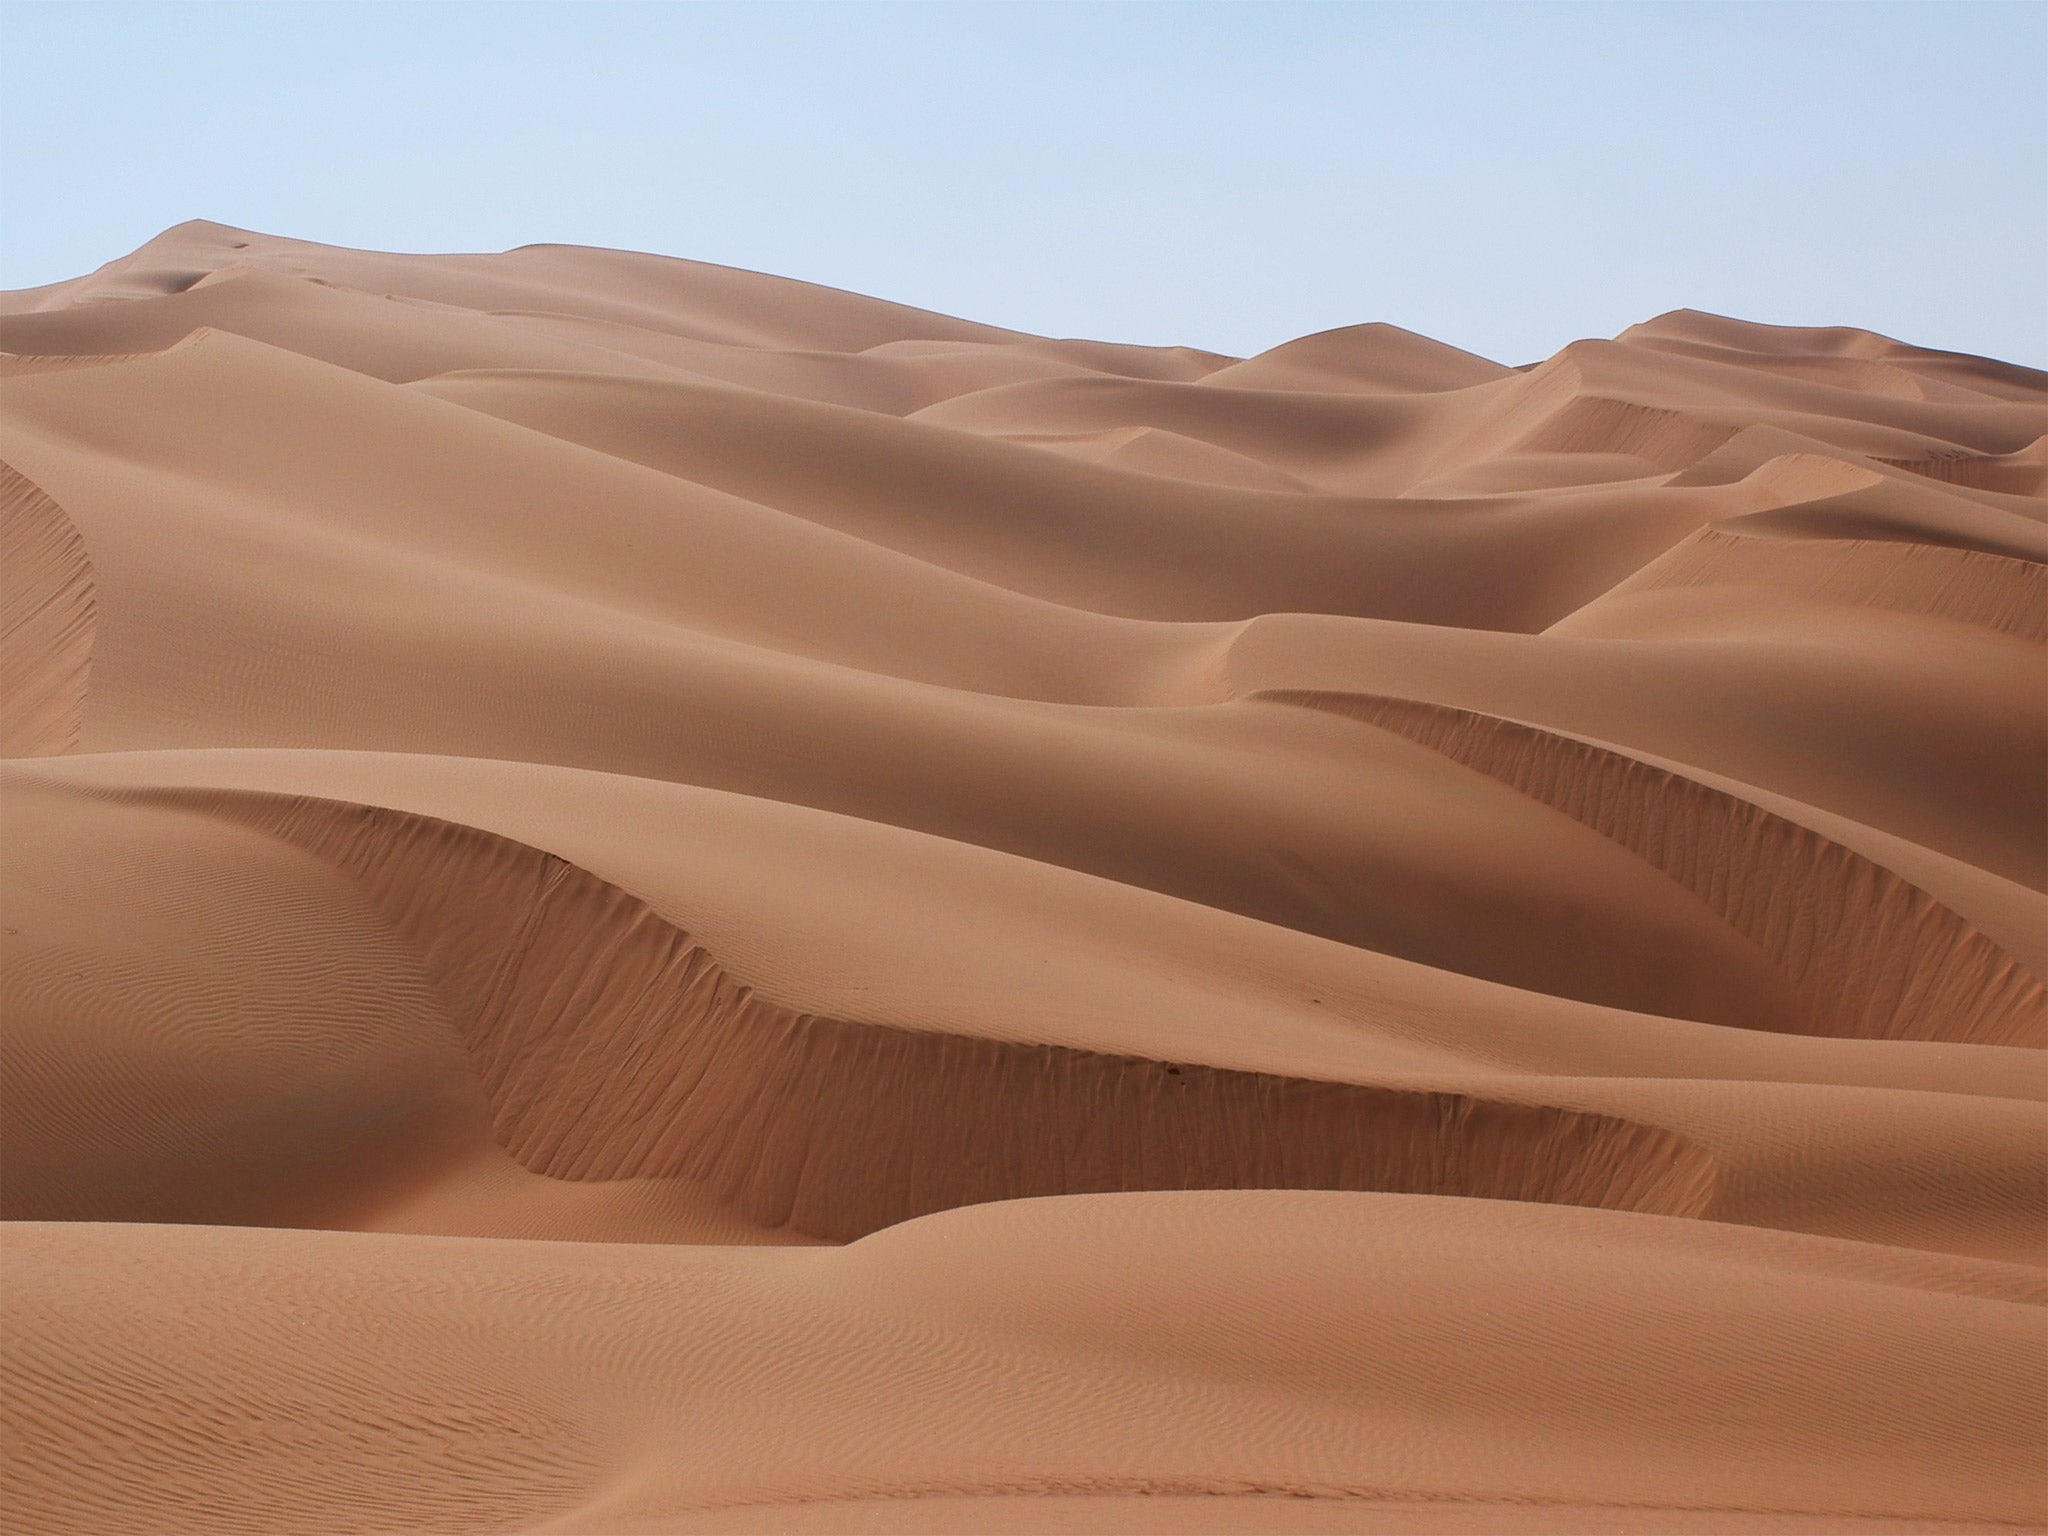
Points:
(645, 898)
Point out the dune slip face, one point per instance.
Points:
(640, 898)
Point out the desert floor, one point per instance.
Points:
(641, 898)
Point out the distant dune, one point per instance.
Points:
(642, 898)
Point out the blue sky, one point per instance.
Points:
(1506, 178)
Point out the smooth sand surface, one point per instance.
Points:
(641, 898)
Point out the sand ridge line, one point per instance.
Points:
(557, 978)
(1970, 586)
(48, 617)
(1870, 955)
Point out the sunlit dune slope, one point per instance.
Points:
(643, 898)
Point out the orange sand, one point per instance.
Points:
(640, 898)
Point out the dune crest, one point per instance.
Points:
(642, 898)
(46, 622)
(612, 1045)
(1868, 955)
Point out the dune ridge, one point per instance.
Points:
(613, 1045)
(641, 898)
(1969, 586)
(46, 622)
(1870, 955)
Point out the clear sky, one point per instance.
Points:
(1506, 178)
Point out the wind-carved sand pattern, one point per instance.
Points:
(1870, 956)
(2023, 472)
(46, 622)
(1669, 440)
(1967, 585)
(641, 899)
(612, 1046)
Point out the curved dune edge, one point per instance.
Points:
(47, 622)
(1969, 586)
(2023, 472)
(1869, 955)
(612, 1045)
(1669, 440)
(17, 363)
(1556, 409)
(13, 364)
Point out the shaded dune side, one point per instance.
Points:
(611, 1045)
(15, 363)
(1869, 955)
(2023, 472)
(1670, 440)
(1970, 586)
(47, 620)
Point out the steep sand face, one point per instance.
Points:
(46, 622)
(641, 898)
